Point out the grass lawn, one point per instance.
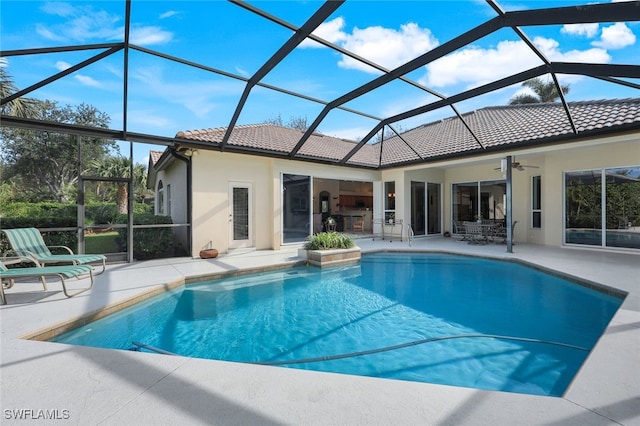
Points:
(101, 243)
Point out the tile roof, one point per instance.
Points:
(154, 156)
(499, 127)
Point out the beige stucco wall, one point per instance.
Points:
(175, 176)
(618, 154)
(214, 171)
(485, 172)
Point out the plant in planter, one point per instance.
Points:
(328, 241)
(330, 249)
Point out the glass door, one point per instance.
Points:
(296, 208)
(418, 208)
(240, 215)
(434, 209)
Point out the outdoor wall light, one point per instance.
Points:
(190, 152)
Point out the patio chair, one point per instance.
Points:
(459, 230)
(358, 224)
(501, 232)
(40, 272)
(28, 242)
(474, 233)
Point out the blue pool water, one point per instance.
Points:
(389, 299)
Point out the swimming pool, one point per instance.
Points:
(453, 320)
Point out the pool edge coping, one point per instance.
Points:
(47, 333)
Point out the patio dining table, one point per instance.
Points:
(482, 232)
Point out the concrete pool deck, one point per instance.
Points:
(91, 386)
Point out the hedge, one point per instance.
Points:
(149, 243)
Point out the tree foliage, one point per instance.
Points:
(119, 166)
(20, 107)
(299, 123)
(45, 163)
(543, 91)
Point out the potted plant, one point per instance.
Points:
(330, 249)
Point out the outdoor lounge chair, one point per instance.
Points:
(28, 242)
(40, 272)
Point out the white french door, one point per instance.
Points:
(240, 215)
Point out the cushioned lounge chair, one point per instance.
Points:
(40, 272)
(28, 242)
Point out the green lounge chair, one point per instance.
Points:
(40, 272)
(28, 242)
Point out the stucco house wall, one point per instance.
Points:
(623, 151)
(213, 171)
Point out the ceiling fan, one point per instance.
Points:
(514, 165)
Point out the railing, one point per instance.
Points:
(410, 233)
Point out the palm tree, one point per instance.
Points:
(544, 91)
(115, 166)
(19, 107)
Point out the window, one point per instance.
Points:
(389, 201)
(602, 207)
(536, 202)
(160, 200)
(168, 200)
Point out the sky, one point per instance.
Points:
(166, 97)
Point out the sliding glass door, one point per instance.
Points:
(473, 201)
(296, 208)
(425, 208)
(600, 214)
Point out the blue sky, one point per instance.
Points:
(166, 97)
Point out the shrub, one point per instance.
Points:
(51, 238)
(148, 243)
(328, 241)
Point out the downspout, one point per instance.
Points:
(187, 161)
(509, 204)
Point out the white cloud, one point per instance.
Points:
(150, 35)
(88, 81)
(48, 34)
(616, 36)
(586, 30)
(330, 31)
(168, 14)
(384, 46)
(387, 47)
(83, 79)
(150, 119)
(58, 8)
(195, 95)
(507, 58)
(62, 65)
(551, 49)
(84, 23)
